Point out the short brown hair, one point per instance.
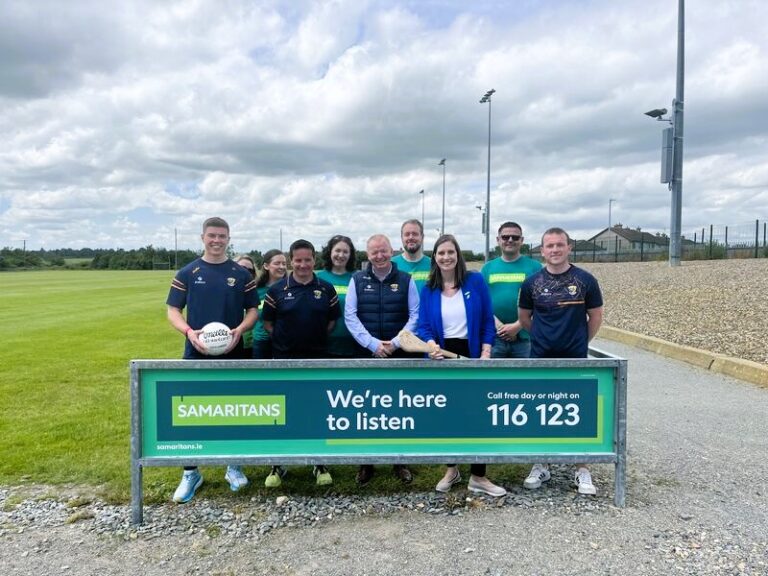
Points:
(556, 230)
(215, 222)
(412, 221)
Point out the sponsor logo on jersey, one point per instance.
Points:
(199, 280)
(508, 277)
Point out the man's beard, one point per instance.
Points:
(412, 250)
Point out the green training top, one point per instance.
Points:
(419, 271)
(259, 333)
(504, 280)
(340, 341)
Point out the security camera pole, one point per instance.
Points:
(675, 134)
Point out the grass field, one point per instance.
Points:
(64, 397)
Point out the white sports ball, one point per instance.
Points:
(216, 337)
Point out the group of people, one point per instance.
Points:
(513, 308)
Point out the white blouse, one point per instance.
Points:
(454, 315)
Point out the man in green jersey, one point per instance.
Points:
(504, 277)
(412, 260)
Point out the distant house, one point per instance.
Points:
(619, 240)
(624, 239)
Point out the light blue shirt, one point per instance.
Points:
(358, 331)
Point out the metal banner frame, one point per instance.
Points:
(525, 454)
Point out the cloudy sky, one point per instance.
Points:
(121, 122)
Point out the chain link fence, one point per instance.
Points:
(712, 242)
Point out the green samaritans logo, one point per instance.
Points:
(228, 410)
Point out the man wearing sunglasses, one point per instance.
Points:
(504, 277)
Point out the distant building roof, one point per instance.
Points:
(635, 235)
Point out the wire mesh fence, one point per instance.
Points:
(712, 242)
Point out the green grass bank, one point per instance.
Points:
(64, 388)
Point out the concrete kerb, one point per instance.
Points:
(747, 370)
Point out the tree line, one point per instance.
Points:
(146, 258)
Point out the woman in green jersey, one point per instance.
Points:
(339, 263)
(273, 269)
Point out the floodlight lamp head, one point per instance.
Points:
(442, 162)
(487, 96)
(656, 113)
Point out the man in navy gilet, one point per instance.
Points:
(381, 301)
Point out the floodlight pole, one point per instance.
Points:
(672, 156)
(442, 223)
(675, 248)
(610, 201)
(487, 98)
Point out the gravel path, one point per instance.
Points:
(717, 305)
(696, 505)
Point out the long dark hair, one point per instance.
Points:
(435, 275)
(266, 259)
(328, 248)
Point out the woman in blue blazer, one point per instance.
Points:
(455, 314)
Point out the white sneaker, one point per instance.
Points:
(583, 479)
(485, 486)
(191, 480)
(539, 473)
(236, 478)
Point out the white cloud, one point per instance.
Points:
(327, 117)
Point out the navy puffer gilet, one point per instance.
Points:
(382, 306)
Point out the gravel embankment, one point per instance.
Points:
(719, 305)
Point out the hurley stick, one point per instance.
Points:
(412, 343)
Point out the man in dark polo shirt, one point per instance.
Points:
(299, 312)
(381, 301)
(301, 309)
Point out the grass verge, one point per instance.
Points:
(64, 390)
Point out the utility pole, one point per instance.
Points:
(442, 222)
(487, 98)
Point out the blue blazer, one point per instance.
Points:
(477, 303)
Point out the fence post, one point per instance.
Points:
(594, 247)
(616, 249)
(757, 236)
(710, 241)
(726, 243)
(642, 244)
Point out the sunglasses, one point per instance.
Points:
(508, 237)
